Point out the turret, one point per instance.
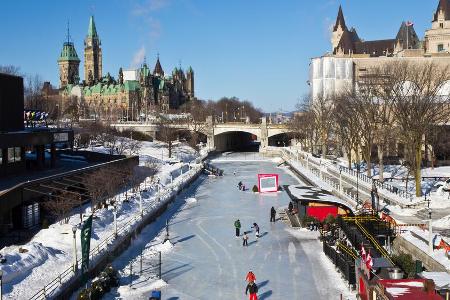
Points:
(68, 63)
(92, 53)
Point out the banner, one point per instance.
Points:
(85, 236)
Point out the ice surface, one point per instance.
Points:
(207, 261)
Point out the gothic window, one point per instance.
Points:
(441, 25)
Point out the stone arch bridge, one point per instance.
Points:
(224, 136)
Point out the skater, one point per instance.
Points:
(240, 185)
(245, 240)
(252, 288)
(250, 277)
(237, 225)
(243, 187)
(290, 207)
(273, 212)
(256, 229)
(234, 173)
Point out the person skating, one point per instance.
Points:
(273, 212)
(256, 229)
(245, 240)
(250, 277)
(240, 185)
(252, 288)
(237, 225)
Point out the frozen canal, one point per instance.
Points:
(209, 262)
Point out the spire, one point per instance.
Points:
(444, 5)
(68, 32)
(158, 69)
(92, 31)
(340, 20)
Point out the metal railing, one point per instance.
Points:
(374, 242)
(70, 273)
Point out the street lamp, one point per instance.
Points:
(75, 259)
(357, 183)
(115, 220)
(1, 287)
(430, 233)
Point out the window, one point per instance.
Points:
(440, 47)
(441, 25)
(14, 154)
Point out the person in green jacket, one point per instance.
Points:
(237, 225)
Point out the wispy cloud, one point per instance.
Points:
(149, 6)
(138, 58)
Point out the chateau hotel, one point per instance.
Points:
(352, 58)
(129, 96)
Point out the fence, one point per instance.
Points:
(344, 262)
(65, 277)
(152, 267)
(352, 174)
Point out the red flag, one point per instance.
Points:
(369, 261)
(363, 253)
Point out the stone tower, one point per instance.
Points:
(92, 55)
(437, 39)
(338, 29)
(190, 82)
(158, 70)
(69, 64)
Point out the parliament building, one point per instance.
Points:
(131, 96)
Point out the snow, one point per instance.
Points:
(410, 283)
(441, 279)
(50, 251)
(191, 200)
(208, 260)
(397, 291)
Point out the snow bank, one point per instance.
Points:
(191, 200)
(134, 292)
(19, 263)
(163, 247)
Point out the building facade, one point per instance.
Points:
(352, 58)
(127, 97)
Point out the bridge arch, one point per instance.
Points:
(236, 140)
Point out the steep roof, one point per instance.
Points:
(445, 6)
(346, 44)
(407, 35)
(158, 69)
(68, 53)
(340, 20)
(375, 48)
(92, 31)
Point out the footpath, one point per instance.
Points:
(341, 182)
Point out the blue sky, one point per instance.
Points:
(256, 50)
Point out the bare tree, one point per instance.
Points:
(167, 133)
(10, 69)
(95, 184)
(419, 104)
(322, 109)
(61, 205)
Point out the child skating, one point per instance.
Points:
(245, 240)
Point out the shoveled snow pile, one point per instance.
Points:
(127, 292)
(191, 200)
(442, 223)
(163, 247)
(35, 255)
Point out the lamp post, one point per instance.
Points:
(1, 283)
(115, 220)
(75, 259)
(357, 183)
(340, 180)
(430, 233)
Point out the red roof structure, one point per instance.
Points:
(408, 289)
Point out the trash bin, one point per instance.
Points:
(156, 295)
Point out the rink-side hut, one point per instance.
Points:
(316, 202)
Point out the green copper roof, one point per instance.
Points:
(145, 71)
(68, 53)
(92, 31)
(131, 85)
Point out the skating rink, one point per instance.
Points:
(209, 262)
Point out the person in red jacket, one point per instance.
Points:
(252, 288)
(250, 277)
